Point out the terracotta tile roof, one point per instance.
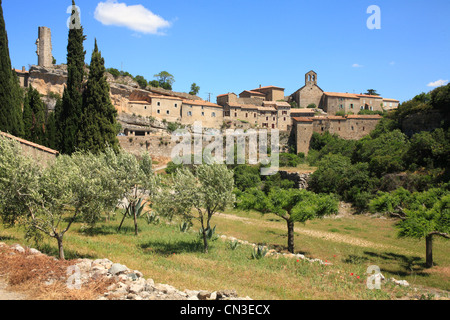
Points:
(165, 97)
(20, 71)
(342, 95)
(267, 87)
(302, 110)
(302, 119)
(369, 96)
(393, 100)
(201, 103)
(29, 143)
(139, 102)
(253, 93)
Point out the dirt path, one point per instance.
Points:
(313, 233)
(9, 295)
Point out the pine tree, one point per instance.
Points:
(50, 132)
(70, 114)
(10, 91)
(34, 117)
(98, 128)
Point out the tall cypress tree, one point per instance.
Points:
(34, 117)
(98, 123)
(10, 91)
(71, 109)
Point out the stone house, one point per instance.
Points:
(350, 127)
(310, 93)
(210, 114)
(333, 102)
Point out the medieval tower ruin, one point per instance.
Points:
(44, 47)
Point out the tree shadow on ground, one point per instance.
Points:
(7, 238)
(399, 264)
(69, 254)
(169, 248)
(106, 230)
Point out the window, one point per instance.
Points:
(159, 111)
(353, 128)
(351, 106)
(189, 113)
(235, 115)
(159, 103)
(168, 112)
(203, 114)
(246, 115)
(267, 118)
(254, 115)
(145, 107)
(284, 119)
(341, 106)
(176, 105)
(213, 114)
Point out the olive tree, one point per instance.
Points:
(134, 181)
(422, 214)
(197, 194)
(48, 200)
(292, 205)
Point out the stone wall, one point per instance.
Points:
(300, 179)
(40, 153)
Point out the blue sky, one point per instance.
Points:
(231, 46)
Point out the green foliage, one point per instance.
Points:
(165, 80)
(233, 245)
(440, 97)
(259, 252)
(292, 205)
(141, 81)
(371, 112)
(185, 226)
(114, 72)
(384, 154)
(69, 116)
(34, 117)
(290, 160)
(98, 125)
(246, 177)
(197, 194)
(312, 106)
(195, 89)
(11, 95)
(423, 212)
(372, 92)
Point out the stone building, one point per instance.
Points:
(350, 127)
(210, 114)
(333, 102)
(44, 47)
(263, 107)
(310, 93)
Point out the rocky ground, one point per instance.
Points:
(122, 282)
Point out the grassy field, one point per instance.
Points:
(350, 242)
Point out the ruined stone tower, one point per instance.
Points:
(44, 47)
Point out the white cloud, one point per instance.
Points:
(135, 17)
(392, 63)
(355, 65)
(437, 83)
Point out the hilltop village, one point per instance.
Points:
(145, 113)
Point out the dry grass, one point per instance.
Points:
(28, 274)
